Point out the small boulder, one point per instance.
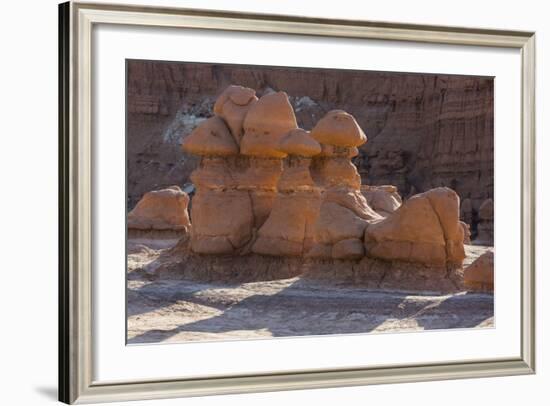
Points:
(164, 209)
(479, 276)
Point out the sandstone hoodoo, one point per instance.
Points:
(344, 211)
(289, 229)
(266, 187)
(215, 232)
(160, 213)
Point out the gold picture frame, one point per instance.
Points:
(76, 21)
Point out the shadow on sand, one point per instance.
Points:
(304, 308)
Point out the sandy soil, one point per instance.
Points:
(179, 310)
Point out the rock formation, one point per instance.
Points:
(239, 170)
(269, 192)
(214, 231)
(485, 225)
(479, 276)
(425, 130)
(344, 211)
(288, 230)
(232, 106)
(160, 213)
(425, 229)
(382, 199)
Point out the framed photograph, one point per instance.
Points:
(263, 202)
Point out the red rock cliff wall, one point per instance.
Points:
(424, 130)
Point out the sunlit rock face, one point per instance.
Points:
(479, 276)
(288, 230)
(344, 211)
(266, 187)
(160, 213)
(425, 229)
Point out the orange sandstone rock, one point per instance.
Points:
(351, 248)
(265, 124)
(164, 209)
(211, 137)
(382, 199)
(222, 221)
(299, 142)
(232, 105)
(425, 229)
(288, 230)
(479, 276)
(339, 128)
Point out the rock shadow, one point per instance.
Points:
(304, 309)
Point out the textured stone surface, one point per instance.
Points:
(232, 106)
(340, 129)
(210, 138)
(384, 199)
(265, 124)
(161, 210)
(479, 276)
(425, 229)
(424, 130)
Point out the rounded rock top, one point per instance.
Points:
(239, 95)
(299, 142)
(267, 121)
(210, 138)
(340, 129)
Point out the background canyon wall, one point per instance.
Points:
(424, 130)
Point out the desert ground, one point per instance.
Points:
(176, 310)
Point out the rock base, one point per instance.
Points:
(156, 234)
(180, 263)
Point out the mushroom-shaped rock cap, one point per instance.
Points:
(299, 142)
(211, 137)
(267, 121)
(239, 95)
(339, 128)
